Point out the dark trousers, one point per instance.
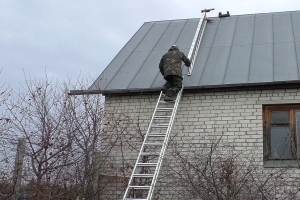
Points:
(173, 85)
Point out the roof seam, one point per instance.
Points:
(181, 32)
(128, 56)
(295, 45)
(250, 62)
(114, 59)
(273, 59)
(175, 43)
(208, 52)
(230, 50)
(149, 55)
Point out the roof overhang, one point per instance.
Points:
(192, 89)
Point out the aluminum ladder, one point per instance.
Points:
(145, 172)
(146, 169)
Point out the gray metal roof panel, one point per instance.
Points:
(238, 65)
(152, 37)
(239, 50)
(108, 74)
(150, 67)
(187, 35)
(209, 34)
(296, 26)
(198, 71)
(127, 72)
(298, 55)
(225, 32)
(244, 31)
(137, 37)
(263, 29)
(215, 67)
(285, 62)
(261, 67)
(170, 36)
(282, 27)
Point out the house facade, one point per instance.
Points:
(236, 133)
(235, 121)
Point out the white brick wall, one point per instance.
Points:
(237, 115)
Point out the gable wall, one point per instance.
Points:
(233, 116)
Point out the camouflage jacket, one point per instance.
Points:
(170, 63)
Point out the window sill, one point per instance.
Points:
(282, 163)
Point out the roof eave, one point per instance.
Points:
(207, 88)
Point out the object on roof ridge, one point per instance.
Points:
(209, 19)
(207, 10)
(224, 15)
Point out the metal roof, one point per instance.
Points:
(238, 50)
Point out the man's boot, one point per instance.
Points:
(165, 87)
(170, 96)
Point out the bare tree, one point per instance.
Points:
(64, 154)
(38, 114)
(87, 111)
(216, 170)
(6, 151)
(63, 136)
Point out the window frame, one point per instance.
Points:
(267, 119)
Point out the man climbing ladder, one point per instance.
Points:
(170, 68)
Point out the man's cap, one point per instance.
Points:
(174, 47)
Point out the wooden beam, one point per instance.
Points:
(82, 92)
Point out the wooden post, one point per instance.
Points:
(17, 178)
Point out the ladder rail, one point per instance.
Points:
(196, 43)
(142, 147)
(165, 145)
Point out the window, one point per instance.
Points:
(281, 132)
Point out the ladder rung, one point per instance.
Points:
(143, 175)
(162, 117)
(160, 126)
(153, 144)
(167, 101)
(139, 187)
(156, 135)
(146, 164)
(164, 109)
(149, 153)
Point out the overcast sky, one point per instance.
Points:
(72, 38)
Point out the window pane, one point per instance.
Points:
(280, 117)
(281, 143)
